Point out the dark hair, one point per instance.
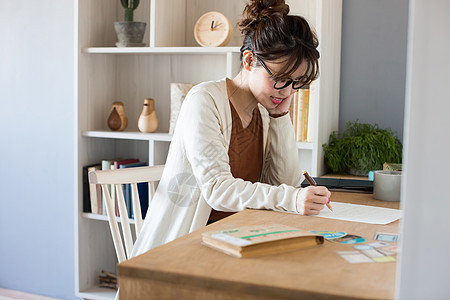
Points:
(273, 34)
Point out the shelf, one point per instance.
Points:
(159, 137)
(102, 217)
(161, 50)
(97, 293)
(104, 73)
(129, 135)
(305, 145)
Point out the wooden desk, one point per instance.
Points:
(185, 269)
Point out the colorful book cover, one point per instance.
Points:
(259, 240)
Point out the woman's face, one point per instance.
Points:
(262, 86)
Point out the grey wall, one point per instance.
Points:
(36, 153)
(373, 67)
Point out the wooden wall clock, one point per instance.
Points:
(213, 30)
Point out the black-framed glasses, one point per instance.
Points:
(279, 85)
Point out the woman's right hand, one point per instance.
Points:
(312, 199)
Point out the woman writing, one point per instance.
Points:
(233, 146)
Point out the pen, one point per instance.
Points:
(313, 182)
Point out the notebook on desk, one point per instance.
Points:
(341, 184)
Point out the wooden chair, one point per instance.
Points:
(115, 179)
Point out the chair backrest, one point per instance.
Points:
(112, 180)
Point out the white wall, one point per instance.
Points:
(425, 261)
(36, 153)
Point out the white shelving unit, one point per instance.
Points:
(104, 74)
(163, 50)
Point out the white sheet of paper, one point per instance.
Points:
(360, 213)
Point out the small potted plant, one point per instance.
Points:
(361, 148)
(130, 33)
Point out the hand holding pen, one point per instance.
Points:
(313, 183)
(312, 199)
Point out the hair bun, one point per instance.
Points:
(257, 11)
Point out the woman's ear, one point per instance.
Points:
(247, 59)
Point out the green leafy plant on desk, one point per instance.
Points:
(361, 148)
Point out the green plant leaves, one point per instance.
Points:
(130, 6)
(130, 3)
(361, 148)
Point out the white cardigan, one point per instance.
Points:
(197, 173)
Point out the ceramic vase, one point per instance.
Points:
(117, 120)
(148, 122)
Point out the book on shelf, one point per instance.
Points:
(304, 124)
(86, 195)
(91, 192)
(94, 202)
(250, 241)
(142, 191)
(115, 166)
(300, 114)
(311, 107)
(118, 163)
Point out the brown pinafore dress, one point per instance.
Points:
(245, 152)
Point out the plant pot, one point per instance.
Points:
(130, 34)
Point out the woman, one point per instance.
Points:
(233, 146)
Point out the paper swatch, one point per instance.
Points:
(354, 257)
(360, 213)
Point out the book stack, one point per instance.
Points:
(301, 115)
(93, 198)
